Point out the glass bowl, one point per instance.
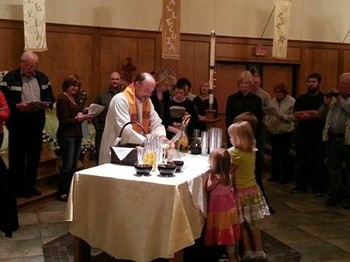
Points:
(167, 169)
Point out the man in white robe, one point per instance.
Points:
(120, 113)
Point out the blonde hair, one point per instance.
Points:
(245, 75)
(220, 163)
(165, 76)
(242, 136)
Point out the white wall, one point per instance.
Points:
(318, 20)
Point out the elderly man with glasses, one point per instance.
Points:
(29, 94)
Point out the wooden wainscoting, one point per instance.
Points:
(93, 52)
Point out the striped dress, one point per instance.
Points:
(222, 227)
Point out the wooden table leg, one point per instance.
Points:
(178, 257)
(82, 250)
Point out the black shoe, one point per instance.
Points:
(346, 205)
(318, 194)
(8, 234)
(62, 197)
(331, 201)
(272, 210)
(24, 195)
(36, 192)
(296, 190)
(283, 180)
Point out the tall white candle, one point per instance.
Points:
(211, 99)
(212, 48)
(211, 69)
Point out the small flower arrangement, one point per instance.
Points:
(47, 137)
(56, 148)
(86, 147)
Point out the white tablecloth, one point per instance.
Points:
(138, 218)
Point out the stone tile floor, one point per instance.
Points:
(302, 225)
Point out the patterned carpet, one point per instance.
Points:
(61, 250)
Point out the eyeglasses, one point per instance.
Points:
(30, 66)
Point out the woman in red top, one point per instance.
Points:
(8, 205)
(4, 114)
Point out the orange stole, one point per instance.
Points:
(129, 92)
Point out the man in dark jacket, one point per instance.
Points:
(104, 98)
(309, 148)
(28, 93)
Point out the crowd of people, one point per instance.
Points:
(315, 124)
(318, 125)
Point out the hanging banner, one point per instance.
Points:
(34, 25)
(171, 29)
(281, 28)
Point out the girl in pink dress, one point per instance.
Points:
(222, 218)
(250, 200)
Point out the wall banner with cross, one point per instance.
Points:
(171, 29)
(34, 20)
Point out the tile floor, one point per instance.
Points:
(302, 222)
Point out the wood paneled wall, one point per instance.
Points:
(93, 52)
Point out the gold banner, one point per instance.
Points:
(281, 28)
(34, 25)
(171, 29)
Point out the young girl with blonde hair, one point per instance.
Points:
(222, 226)
(250, 200)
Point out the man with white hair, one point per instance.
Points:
(28, 93)
(133, 104)
(336, 134)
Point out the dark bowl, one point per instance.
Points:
(179, 164)
(167, 169)
(143, 169)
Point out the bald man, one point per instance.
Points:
(104, 98)
(133, 104)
